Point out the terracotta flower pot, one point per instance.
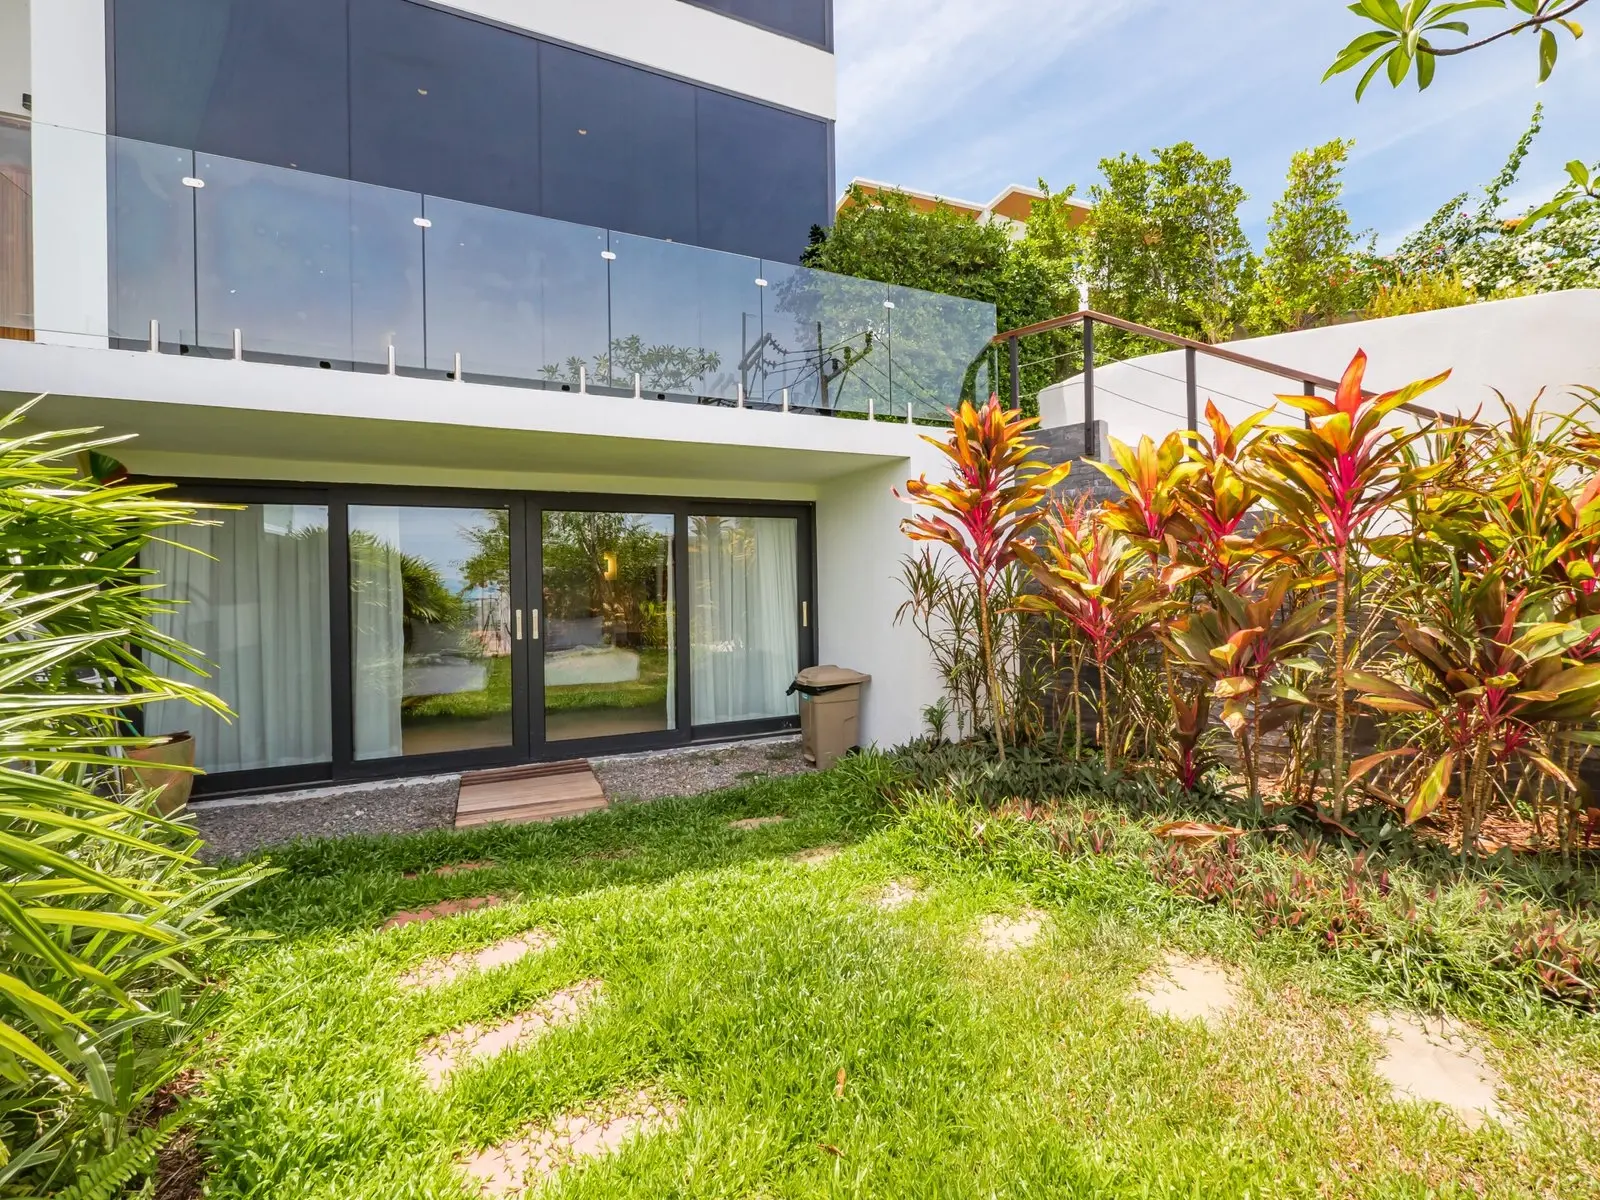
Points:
(173, 750)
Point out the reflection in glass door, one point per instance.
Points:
(610, 658)
(430, 631)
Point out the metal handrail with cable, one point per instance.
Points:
(1088, 318)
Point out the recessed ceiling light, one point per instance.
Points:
(423, 222)
(191, 181)
(583, 133)
(608, 256)
(422, 91)
(761, 283)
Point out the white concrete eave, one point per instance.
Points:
(219, 408)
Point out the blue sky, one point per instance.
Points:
(963, 97)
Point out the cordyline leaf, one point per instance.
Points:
(1233, 685)
(1550, 769)
(1196, 832)
(1362, 765)
(1391, 704)
(1431, 790)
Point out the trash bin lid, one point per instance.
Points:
(827, 678)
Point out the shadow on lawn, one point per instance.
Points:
(343, 884)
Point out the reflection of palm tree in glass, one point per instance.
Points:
(661, 368)
(425, 598)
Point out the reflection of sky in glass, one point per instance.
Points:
(437, 536)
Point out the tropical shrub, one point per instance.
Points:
(105, 914)
(1369, 583)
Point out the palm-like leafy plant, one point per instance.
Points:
(1330, 481)
(103, 909)
(1243, 647)
(984, 511)
(1091, 575)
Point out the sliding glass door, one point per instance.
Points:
(362, 632)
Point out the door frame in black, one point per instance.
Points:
(526, 509)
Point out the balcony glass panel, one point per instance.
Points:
(151, 240)
(828, 337)
(306, 266)
(939, 346)
(683, 319)
(516, 296)
(16, 227)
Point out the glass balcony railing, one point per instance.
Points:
(309, 269)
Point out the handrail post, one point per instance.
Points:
(1015, 345)
(1191, 386)
(1090, 441)
(1310, 389)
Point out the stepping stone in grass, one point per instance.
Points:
(444, 908)
(437, 972)
(449, 1052)
(1188, 989)
(1434, 1062)
(1002, 934)
(450, 869)
(756, 822)
(896, 894)
(815, 857)
(538, 1152)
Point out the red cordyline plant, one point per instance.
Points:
(984, 511)
(1330, 480)
(1085, 572)
(1219, 499)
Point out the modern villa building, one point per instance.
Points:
(485, 320)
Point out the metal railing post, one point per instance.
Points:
(1309, 389)
(391, 358)
(456, 375)
(785, 399)
(1016, 372)
(238, 345)
(1091, 443)
(155, 336)
(1191, 387)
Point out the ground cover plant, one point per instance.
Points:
(923, 997)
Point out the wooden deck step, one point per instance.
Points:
(537, 792)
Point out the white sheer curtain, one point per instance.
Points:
(744, 621)
(251, 596)
(377, 630)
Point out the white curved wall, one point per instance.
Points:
(1518, 346)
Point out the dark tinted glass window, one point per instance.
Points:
(444, 105)
(762, 178)
(803, 19)
(616, 145)
(265, 80)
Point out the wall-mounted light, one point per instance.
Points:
(422, 91)
(761, 283)
(888, 303)
(583, 133)
(611, 565)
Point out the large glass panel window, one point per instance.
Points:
(266, 80)
(430, 609)
(803, 19)
(610, 665)
(744, 617)
(443, 104)
(617, 146)
(250, 593)
(762, 176)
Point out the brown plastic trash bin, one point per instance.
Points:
(830, 712)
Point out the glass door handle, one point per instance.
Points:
(517, 622)
(533, 618)
(805, 614)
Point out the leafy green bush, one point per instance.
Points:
(104, 912)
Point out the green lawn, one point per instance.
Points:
(741, 982)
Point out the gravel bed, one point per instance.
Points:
(241, 825)
(688, 772)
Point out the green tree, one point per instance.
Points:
(1164, 246)
(1312, 270)
(1399, 36)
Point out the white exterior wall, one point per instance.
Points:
(70, 264)
(685, 40)
(1517, 346)
(15, 56)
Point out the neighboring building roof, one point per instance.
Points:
(1013, 204)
